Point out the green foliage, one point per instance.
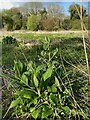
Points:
(33, 16)
(9, 40)
(17, 18)
(33, 22)
(66, 24)
(7, 22)
(42, 90)
(74, 13)
(48, 23)
(12, 19)
(76, 25)
(15, 103)
(47, 74)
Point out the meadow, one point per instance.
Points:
(45, 72)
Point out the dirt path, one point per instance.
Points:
(40, 32)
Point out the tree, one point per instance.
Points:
(17, 18)
(48, 24)
(56, 11)
(33, 22)
(66, 24)
(32, 7)
(43, 13)
(12, 18)
(7, 22)
(74, 13)
(35, 7)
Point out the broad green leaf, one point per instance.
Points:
(47, 74)
(66, 109)
(45, 46)
(53, 88)
(49, 89)
(35, 80)
(31, 109)
(14, 103)
(35, 113)
(46, 112)
(24, 79)
(53, 99)
(40, 67)
(55, 62)
(73, 112)
(27, 95)
(57, 82)
(35, 101)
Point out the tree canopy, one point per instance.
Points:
(35, 16)
(74, 9)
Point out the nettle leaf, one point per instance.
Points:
(73, 112)
(14, 103)
(24, 79)
(53, 88)
(40, 67)
(35, 113)
(66, 109)
(57, 82)
(47, 74)
(53, 99)
(45, 46)
(35, 101)
(27, 95)
(49, 89)
(46, 111)
(35, 80)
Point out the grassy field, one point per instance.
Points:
(40, 35)
(70, 43)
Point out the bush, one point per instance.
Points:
(48, 24)
(9, 40)
(66, 24)
(33, 22)
(76, 25)
(42, 90)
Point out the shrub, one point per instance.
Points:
(48, 24)
(9, 40)
(42, 91)
(66, 24)
(76, 25)
(33, 22)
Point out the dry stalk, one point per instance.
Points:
(83, 37)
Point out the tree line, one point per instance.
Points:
(33, 16)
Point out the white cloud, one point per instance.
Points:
(44, 1)
(11, 3)
(6, 5)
